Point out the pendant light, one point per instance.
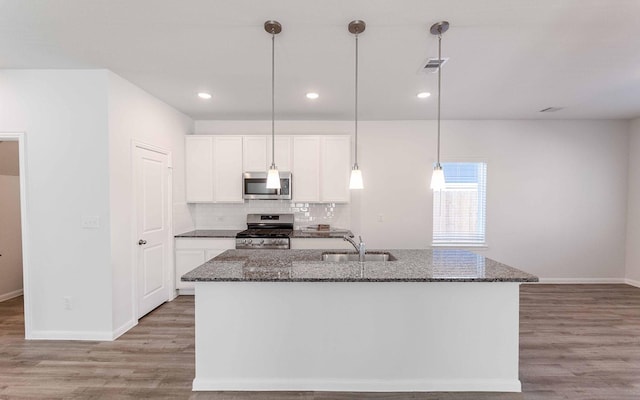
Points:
(437, 178)
(356, 27)
(273, 176)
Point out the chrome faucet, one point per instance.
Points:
(358, 246)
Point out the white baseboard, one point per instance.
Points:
(10, 295)
(98, 336)
(188, 292)
(328, 385)
(632, 282)
(124, 328)
(581, 280)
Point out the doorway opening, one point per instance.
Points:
(13, 263)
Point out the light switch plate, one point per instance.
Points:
(90, 222)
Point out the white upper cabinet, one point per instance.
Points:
(335, 169)
(320, 166)
(283, 150)
(305, 168)
(213, 169)
(199, 168)
(227, 169)
(257, 153)
(255, 156)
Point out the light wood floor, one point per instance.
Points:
(577, 342)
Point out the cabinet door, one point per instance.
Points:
(199, 168)
(210, 253)
(282, 153)
(335, 169)
(227, 169)
(306, 160)
(186, 260)
(254, 153)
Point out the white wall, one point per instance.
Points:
(78, 127)
(136, 115)
(633, 204)
(64, 116)
(557, 190)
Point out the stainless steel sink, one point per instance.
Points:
(344, 257)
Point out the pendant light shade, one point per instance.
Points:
(356, 179)
(273, 176)
(437, 178)
(356, 27)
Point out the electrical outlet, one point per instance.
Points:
(90, 222)
(380, 218)
(68, 305)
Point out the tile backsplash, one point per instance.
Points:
(234, 216)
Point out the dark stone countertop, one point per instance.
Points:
(438, 265)
(231, 233)
(311, 234)
(210, 233)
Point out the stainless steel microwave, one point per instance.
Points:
(254, 186)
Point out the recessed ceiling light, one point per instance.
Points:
(312, 95)
(204, 95)
(423, 95)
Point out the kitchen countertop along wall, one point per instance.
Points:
(297, 234)
(210, 233)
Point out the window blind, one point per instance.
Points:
(459, 210)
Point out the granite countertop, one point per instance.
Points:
(315, 234)
(296, 234)
(210, 233)
(438, 265)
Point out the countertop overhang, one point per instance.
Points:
(433, 265)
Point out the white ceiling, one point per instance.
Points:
(508, 58)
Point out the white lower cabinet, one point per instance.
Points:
(320, 243)
(193, 252)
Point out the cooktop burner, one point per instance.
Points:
(265, 233)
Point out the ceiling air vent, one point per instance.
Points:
(551, 109)
(433, 64)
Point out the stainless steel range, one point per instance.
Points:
(266, 231)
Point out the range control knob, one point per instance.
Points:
(262, 241)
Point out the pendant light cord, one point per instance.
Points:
(356, 104)
(273, 99)
(439, 84)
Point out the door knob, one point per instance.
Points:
(141, 242)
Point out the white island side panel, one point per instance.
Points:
(357, 336)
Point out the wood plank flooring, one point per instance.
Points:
(576, 342)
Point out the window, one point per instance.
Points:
(459, 210)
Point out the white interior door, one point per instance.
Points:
(152, 203)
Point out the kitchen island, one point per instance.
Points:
(430, 320)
